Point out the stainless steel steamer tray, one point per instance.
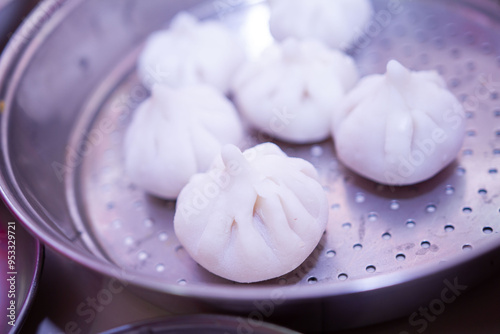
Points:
(11, 14)
(74, 88)
(206, 324)
(28, 267)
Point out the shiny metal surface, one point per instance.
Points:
(29, 252)
(208, 324)
(65, 285)
(62, 170)
(29, 259)
(3, 3)
(12, 12)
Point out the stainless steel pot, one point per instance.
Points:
(12, 12)
(208, 324)
(71, 69)
(28, 251)
(25, 273)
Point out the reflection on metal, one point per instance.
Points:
(382, 243)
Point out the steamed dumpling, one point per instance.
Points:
(254, 215)
(400, 128)
(290, 92)
(191, 52)
(176, 134)
(337, 23)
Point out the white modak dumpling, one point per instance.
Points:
(337, 23)
(253, 216)
(400, 128)
(290, 92)
(177, 133)
(191, 52)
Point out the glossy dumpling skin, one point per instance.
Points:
(191, 52)
(177, 133)
(254, 215)
(337, 23)
(291, 90)
(399, 128)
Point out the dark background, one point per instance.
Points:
(64, 285)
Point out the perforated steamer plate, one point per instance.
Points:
(374, 231)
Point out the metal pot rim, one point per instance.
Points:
(46, 17)
(35, 270)
(196, 323)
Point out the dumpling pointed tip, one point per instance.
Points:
(231, 153)
(160, 91)
(393, 63)
(183, 22)
(230, 150)
(397, 73)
